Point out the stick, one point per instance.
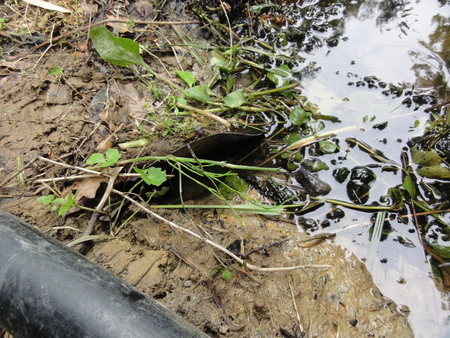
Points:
(204, 113)
(97, 173)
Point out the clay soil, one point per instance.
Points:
(55, 117)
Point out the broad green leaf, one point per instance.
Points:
(442, 250)
(186, 77)
(55, 70)
(118, 51)
(199, 93)
(181, 100)
(327, 147)
(409, 186)
(152, 176)
(291, 138)
(279, 75)
(435, 171)
(95, 159)
(316, 126)
(319, 165)
(112, 157)
(283, 71)
(235, 99)
(425, 158)
(298, 116)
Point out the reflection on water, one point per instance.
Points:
(375, 65)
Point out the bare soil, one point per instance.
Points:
(53, 116)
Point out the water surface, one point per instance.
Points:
(363, 60)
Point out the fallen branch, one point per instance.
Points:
(221, 248)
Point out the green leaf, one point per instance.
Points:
(46, 200)
(186, 77)
(235, 99)
(152, 176)
(283, 71)
(327, 147)
(409, 186)
(279, 75)
(425, 158)
(435, 171)
(442, 250)
(55, 70)
(227, 275)
(112, 157)
(118, 51)
(59, 201)
(95, 159)
(199, 93)
(298, 116)
(291, 138)
(219, 60)
(319, 165)
(68, 204)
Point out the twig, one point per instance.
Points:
(221, 248)
(204, 113)
(76, 177)
(97, 173)
(295, 307)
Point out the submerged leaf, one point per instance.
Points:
(298, 116)
(327, 147)
(425, 158)
(409, 186)
(435, 171)
(118, 51)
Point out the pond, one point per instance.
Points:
(376, 66)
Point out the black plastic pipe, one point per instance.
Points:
(48, 290)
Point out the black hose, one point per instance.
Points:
(48, 290)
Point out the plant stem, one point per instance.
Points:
(204, 113)
(272, 91)
(192, 160)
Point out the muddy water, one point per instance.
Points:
(353, 51)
